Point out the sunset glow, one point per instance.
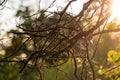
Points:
(116, 9)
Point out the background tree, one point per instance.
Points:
(50, 42)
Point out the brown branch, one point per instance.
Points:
(100, 23)
(2, 2)
(82, 68)
(106, 31)
(61, 14)
(66, 74)
(75, 66)
(18, 49)
(89, 61)
(40, 73)
(30, 34)
(51, 4)
(96, 45)
(85, 7)
(25, 64)
(113, 68)
(102, 8)
(12, 61)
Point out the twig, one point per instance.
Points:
(18, 49)
(98, 41)
(88, 58)
(114, 67)
(85, 7)
(75, 66)
(31, 56)
(106, 31)
(2, 2)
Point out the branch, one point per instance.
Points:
(10, 61)
(100, 23)
(89, 61)
(2, 2)
(61, 14)
(106, 31)
(31, 56)
(75, 66)
(113, 68)
(31, 34)
(85, 7)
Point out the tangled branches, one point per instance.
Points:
(54, 38)
(2, 3)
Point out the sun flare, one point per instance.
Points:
(116, 9)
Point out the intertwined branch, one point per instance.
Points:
(57, 37)
(2, 2)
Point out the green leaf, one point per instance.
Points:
(101, 71)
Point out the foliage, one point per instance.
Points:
(61, 43)
(113, 60)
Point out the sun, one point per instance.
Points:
(116, 9)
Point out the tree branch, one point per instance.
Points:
(2, 2)
(106, 31)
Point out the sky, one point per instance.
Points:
(7, 12)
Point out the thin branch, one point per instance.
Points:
(88, 58)
(40, 73)
(31, 56)
(75, 66)
(85, 7)
(113, 68)
(18, 49)
(2, 2)
(106, 31)
(66, 74)
(16, 61)
(39, 5)
(61, 14)
(98, 41)
(100, 23)
(31, 34)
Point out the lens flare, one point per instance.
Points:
(116, 9)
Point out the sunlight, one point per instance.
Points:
(115, 9)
